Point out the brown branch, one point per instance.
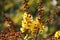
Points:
(46, 37)
(26, 6)
(40, 12)
(10, 22)
(51, 18)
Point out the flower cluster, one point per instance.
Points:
(57, 34)
(29, 23)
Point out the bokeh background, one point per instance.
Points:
(14, 9)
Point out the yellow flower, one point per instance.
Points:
(36, 25)
(22, 29)
(25, 15)
(42, 28)
(27, 21)
(32, 25)
(24, 23)
(57, 34)
(40, 25)
(29, 18)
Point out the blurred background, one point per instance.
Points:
(14, 9)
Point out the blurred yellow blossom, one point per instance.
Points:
(57, 34)
(17, 18)
(6, 24)
(9, 5)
